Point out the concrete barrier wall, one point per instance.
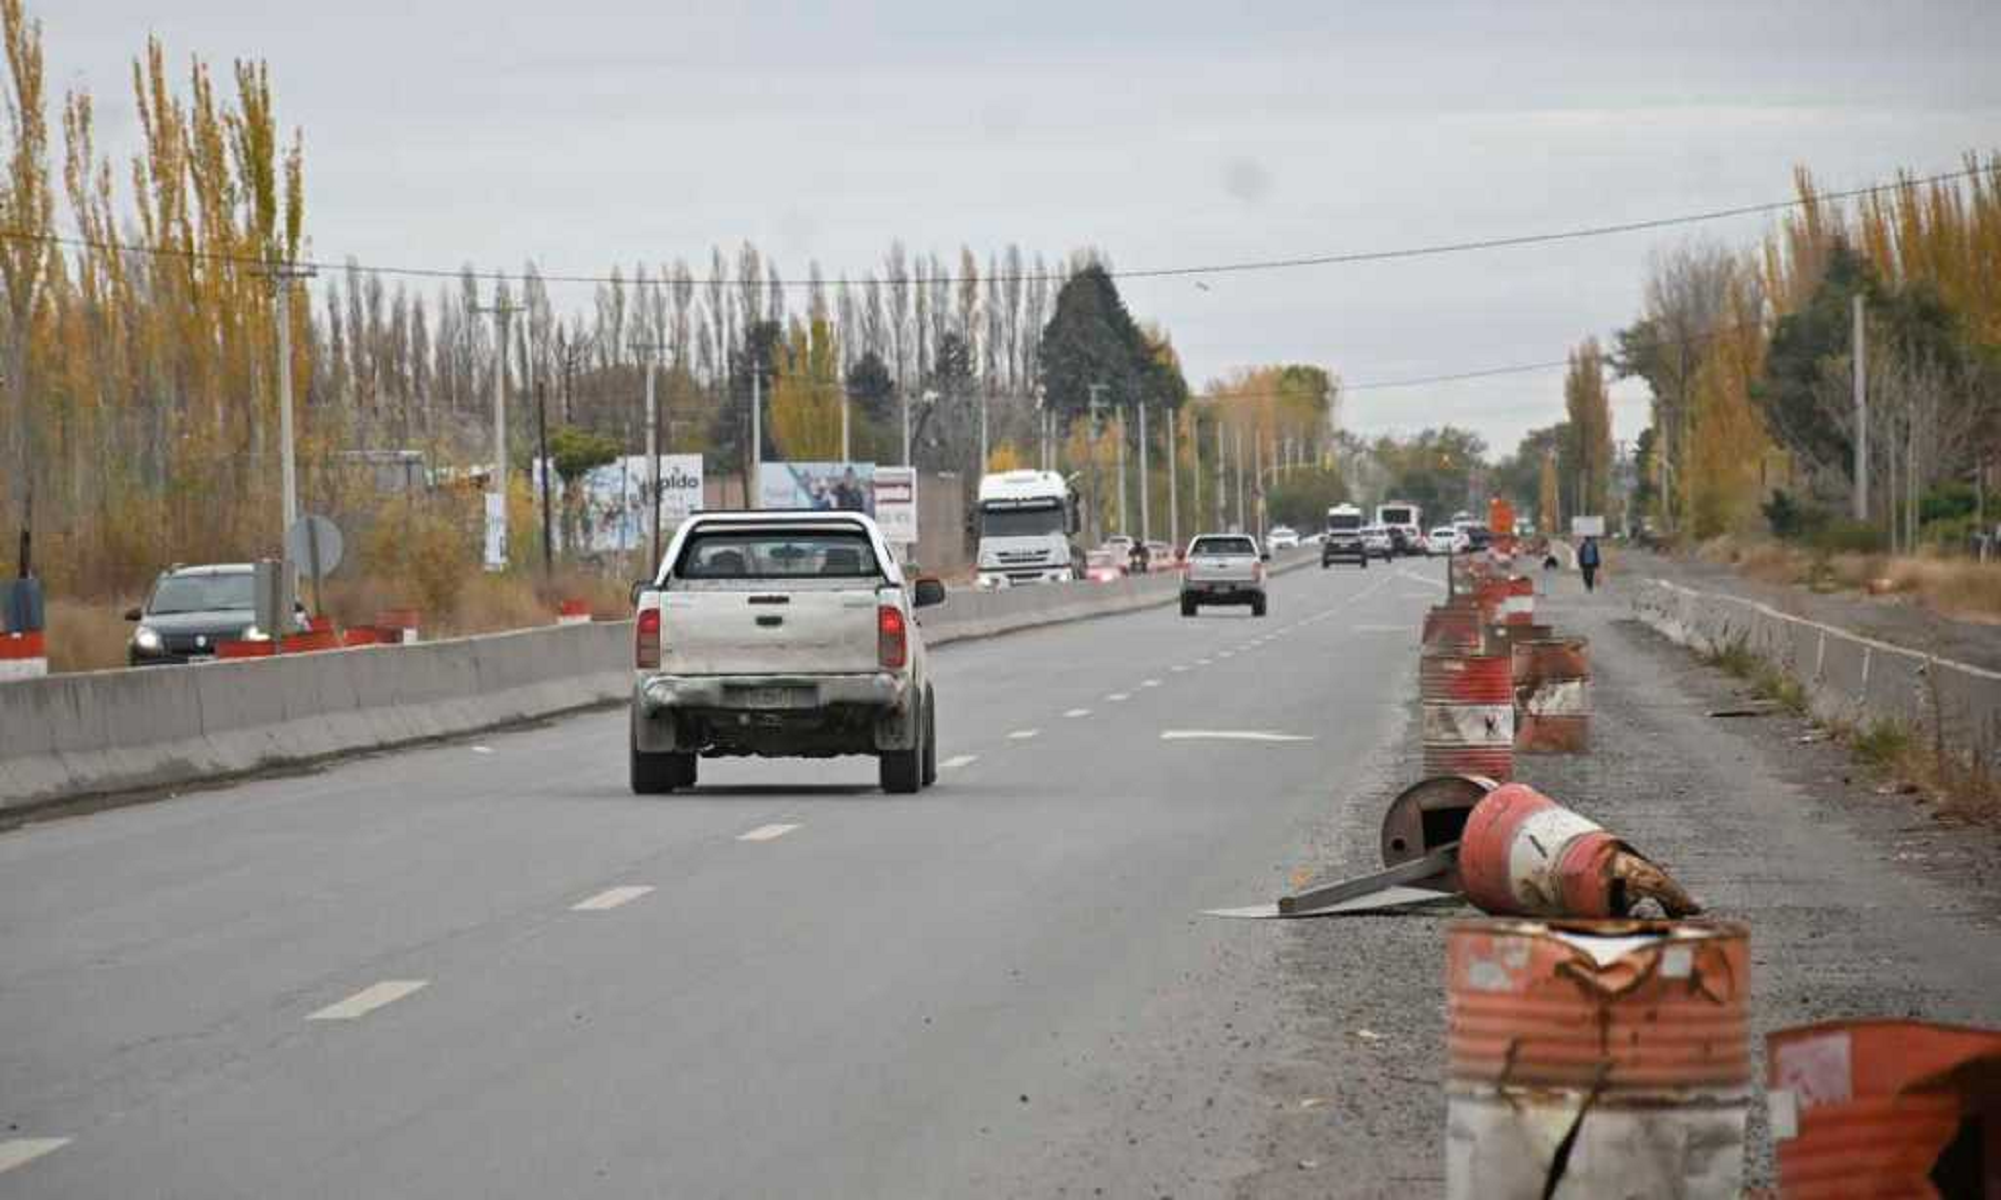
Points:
(1848, 678)
(69, 736)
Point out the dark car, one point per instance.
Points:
(192, 609)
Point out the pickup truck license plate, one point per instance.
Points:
(774, 697)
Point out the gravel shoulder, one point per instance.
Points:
(1859, 903)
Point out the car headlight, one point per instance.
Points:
(147, 638)
(254, 634)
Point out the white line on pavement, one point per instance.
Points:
(1229, 735)
(1177, 668)
(957, 761)
(1022, 735)
(611, 898)
(1078, 712)
(368, 999)
(765, 833)
(1202, 662)
(16, 1152)
(1119, 697)
(1382, 629)
(1149, 683)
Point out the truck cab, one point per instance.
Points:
(1405, 522)
(1027, 520)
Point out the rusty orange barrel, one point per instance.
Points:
(1517, 605)
(1492, 597)
(1502, 639)
(238, 649)
(1452, 626)
(1523, 853)
(1469, 713)
(1552, 695)
(311, 642)
(1626, 1041)
(573, 612)
(1884, 1108)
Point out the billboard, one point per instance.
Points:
(607, 511)
(1587, 527)
(819, 486)
(896, 504)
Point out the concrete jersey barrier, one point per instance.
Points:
(65, 737)
(1848, 677)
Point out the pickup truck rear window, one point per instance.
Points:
(777, 553)
(1222, 546)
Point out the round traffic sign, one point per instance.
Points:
(313, 541)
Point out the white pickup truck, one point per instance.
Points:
(781, 634)
(1224, 568)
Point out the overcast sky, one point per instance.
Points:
(586, 133)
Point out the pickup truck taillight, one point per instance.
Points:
(892, 639)
(646, 639)
(1258, 572)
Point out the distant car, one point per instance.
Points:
(1446, 539)
(1104, 566)
(1223, 568)
(1378, 541)
(1478, 537)
(1405, 542)
(1160, 556)
(1283, 537)
(191, 610)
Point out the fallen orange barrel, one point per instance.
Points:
(1597, 1058)
(1886, 1108)
(1523, 854)
(1469, 714)
(1552, 695)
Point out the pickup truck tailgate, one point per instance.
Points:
(777, 631)
(1220, 569)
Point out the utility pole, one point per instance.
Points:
(903, 398)
(1195, 466)
(1242, 525)
(1173, 489)
(1859, 353)
(496, 503)
(753, 487)
(985, 403)
(1222, 478)
(548, 468)
(1258, 485)
(1125, 518)
(1145, 509)
(282, 276)
(652, 351)
(846, 454)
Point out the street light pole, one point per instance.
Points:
(1173, 487)
(1145, 509)
(652, 352)
(282, 276)
(1125, 519)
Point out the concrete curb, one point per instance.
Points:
(72, 737)
(1848, 677)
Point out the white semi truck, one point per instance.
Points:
(1027, 522)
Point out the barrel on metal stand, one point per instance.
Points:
(1469, 714)
(1616, 1053)
(1552, 696)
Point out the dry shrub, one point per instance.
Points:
(87, 635)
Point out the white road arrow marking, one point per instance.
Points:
(765, 833)
(958, 761)
(368, 999)
(611, 898)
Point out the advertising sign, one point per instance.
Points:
(1587, 527)
(496, 531)
(896, 504)
(607, 510)
(818, 486)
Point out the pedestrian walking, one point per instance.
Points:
(1587, 562)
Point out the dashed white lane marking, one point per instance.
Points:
(1149, 683)
(1203, 662)
(1022, 735)
(368, 999)
(18, 1152)
(765, 833)
(958, 761)
(1078, 712)
(611, 898)
(1119, 697)
(1226, 654)
(482, 749)
(1229, 735)
(1177, 668)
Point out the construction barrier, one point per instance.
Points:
(1518, 602)
(1523, 854)
(398, 626)
(1597, 1058)
(1885, 1108)
(1552, 695)
(1452, 627)
(1468, 704)
(24, 650)
(573, 612)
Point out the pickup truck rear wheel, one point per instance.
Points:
(1187, 606)
(1258, 606)
(658, 774)
(901, 772)
(930, 737)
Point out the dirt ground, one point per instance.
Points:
(1859, 904)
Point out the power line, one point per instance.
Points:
(1223, 268)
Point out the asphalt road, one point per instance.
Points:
(375, 980)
